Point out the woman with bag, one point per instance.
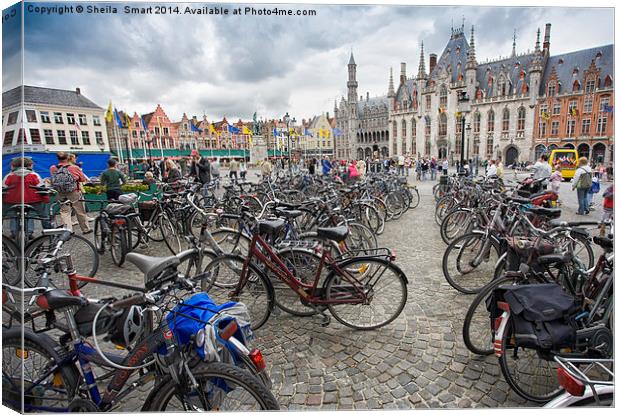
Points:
(582, 182)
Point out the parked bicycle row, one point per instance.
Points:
(304, 245)
(544, 288)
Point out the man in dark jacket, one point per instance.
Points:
(200, 169)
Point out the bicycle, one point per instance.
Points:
(348, 291)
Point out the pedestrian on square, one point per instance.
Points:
(352, 172)
(148, 179)
(407, 164)
(556, 179)
(233, 169)
(608, 209)
(18, 183)
(610, 171)
(433, 169)
(200, 169)
(215, 172)
(500, 168)
(311, 167)
(582, 182)
(401, 165)
(445, 165)
(172, 174)
(326, 166)
(243, 169)
(491, 169)
(112, 179)
(361, 168)
(183, 166)
(66, 179)
(266, 168)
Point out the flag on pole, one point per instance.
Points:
(117, 118)
(77, 126)
(212, 129)
(573, 111)
(246, 130)
(194, 129)
(307, 132)
(128, 121)
(608, 108)
(337, 132)
(108, 113)
(144, 126)
(233, 130)
(544, 115)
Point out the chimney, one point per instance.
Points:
(367, 95)
(403, 72)
(361, 97)
(547, 38)
(432, 63)
(77, 91)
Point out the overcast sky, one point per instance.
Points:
(233, 66)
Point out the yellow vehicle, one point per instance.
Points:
(567, 159)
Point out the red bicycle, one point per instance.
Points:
(363, 292)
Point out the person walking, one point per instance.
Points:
(243, 169)
(444, 166)
(361, 168)
(66, 179)
(200, 169)
(353, 173)
(542, 170)
(112, 179)
(18, 183)
(433, 169)
(608, 210)
(326, 166)
(311, 167)
(234, 169)
(215, 172)
(266, 168)
(556, 179)
(491, 169)
(582, 182)
(407, 164)
(401, 165)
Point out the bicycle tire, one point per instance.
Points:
(159, 398)
(285, 297)
(83, 253)
(11, 262)
(336, 286)
(30, 346)
(118, 245)
(464, 267)
(447, 225)
(256, 282)
(509, 356)
(99, 236)
(415, 198)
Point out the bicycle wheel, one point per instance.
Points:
(100, 235)
(24, 386)
(169, 232)
(118, 245)
(367, 216)
(528, 374)
(415, 197)
(221, 387)
(395, 204)
(11, 262)
(232, 241)
(454, 224)
(83, 255)
(222, 277)
(303, 264)
(383, 282)
(478, 333)
(468, 263)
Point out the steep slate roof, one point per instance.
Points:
(510, 67)
(580, 60)
(49, 96)
(450, 57)
(406, 91)
(378, 102)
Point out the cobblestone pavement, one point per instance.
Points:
(418, 361)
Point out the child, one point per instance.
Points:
(608, 209)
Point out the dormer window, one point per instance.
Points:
(551, 90)
(599, 54)
(560, 61)
(576, 86)
(575, 71)
(458, 50)
(608, 81)
(590, 86)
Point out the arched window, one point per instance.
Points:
(443, 125)
(576, 85)
(404, 128)
(491, 121)
(413, 129)
(521, 119)
(505, 120)
(476, 122)
(443, 96)
(551, 89)
(608, 81)
(427, 126)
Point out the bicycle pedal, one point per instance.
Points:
(325, 320)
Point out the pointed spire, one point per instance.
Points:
(537, 49)
(351, 60)
(421, 66)
(391, 92)
(514, 43)
(471, 55)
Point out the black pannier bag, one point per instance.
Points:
(118, 209)
(542, 314)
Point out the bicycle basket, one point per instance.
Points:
(146, 209)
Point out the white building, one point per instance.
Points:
(50, 120)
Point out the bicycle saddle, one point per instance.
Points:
(55, 299)
(290, 214)
(553, 259)
(548, 212)
(152, 266)
(605, 243)
(270, 226)
(337, 233)
(518, 199)
(18, 208)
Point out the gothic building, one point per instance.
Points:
(363, 122)
(498, 99)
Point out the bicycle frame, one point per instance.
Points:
(271, 260)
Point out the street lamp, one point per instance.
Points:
(462, 98)
(287, 121)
